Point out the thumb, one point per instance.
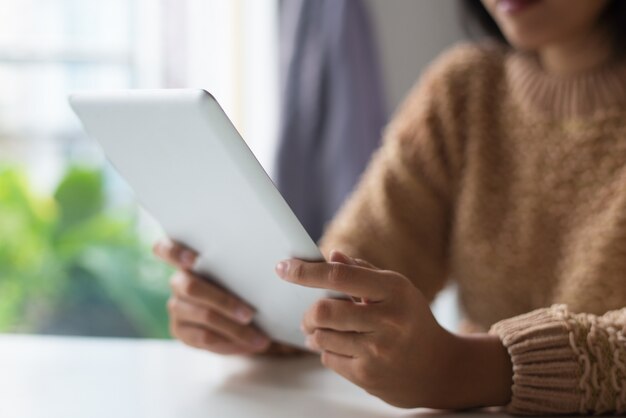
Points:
(337, 256)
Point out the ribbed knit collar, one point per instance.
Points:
(566, 97)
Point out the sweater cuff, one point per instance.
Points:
(546, 372)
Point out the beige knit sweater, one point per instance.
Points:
(512, 183)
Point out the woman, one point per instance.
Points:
(505, 170)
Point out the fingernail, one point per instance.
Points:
(244, 315)
(309, 343)
(188, 258)
(179, 276)
(281, 268)
(159, 248)
(260, 342)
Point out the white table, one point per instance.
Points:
(89, 378)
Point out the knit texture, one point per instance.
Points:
(512, 183)
(566, 363)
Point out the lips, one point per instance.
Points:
(515, 6)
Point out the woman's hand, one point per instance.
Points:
(388, 342)
(205, 316)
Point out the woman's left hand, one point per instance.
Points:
(388, 342)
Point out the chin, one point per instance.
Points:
(525, 42)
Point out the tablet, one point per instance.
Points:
(193, 172)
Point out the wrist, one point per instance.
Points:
(480, 371)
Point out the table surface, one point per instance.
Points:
(80, 377)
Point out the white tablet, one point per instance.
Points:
(191, 170)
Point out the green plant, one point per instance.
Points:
(70, 263)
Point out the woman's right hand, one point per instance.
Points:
(204, 315)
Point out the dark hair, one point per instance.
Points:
(478, 22)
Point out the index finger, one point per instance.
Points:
(175, 254)
(351, 280)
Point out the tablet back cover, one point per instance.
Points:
(193, 172)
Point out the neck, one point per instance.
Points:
(578, 55)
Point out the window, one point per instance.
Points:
(74, 248)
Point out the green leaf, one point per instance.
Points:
(119, 272)
(52, 248)
(80, 196)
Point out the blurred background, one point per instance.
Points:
(75, 253)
